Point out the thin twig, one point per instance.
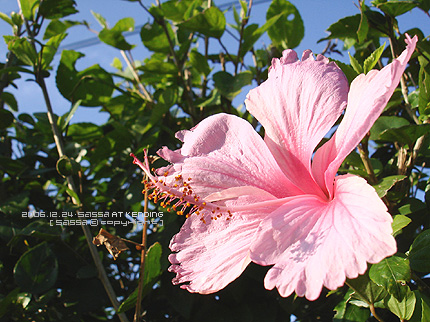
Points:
(242, 28)
(132, 68)
(61, 152)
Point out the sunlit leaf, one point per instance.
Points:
(288, 31)
(28, 8)
(55, 9)
(403, 309)
(114, 36)
(372, 60)
(399, 222)
(395, 8)
(345, 312)
(366, 290)
(56, 27)
(363, 28)
(355, 64)
(154, 37)
(211, 22)
(384, 123)
(23, 49)
(386, 184)
(392, 274)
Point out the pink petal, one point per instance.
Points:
(366, 100)
(224, 151)
(211, 255)
(315, 243)
(297, 106)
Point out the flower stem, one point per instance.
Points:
(373, 311)
(137, 314)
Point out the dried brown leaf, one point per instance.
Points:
(113, 243)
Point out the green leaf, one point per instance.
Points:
(210, 22)
(199, 62)
(424, 5)
(70, 114)
(94, 86)
(406, 134)
(392, 274)
(102, 21)
(6, 119)
(363, 28)
(424, 83)
(213, 99)
(399, 222)
(166, 100)
(50, 49)
(10, 100)
(419, 252)
(81, 132)
(56, 27)
(396, 8)
(152, 271)
(41, 229)
(114, 37)
(6, 301)
(366, 290)
(289, 31)
(384, 123)
(345, 312)
(230, 85)
(6, 18)
(412, 206)
(252, 33)
(17, 203)
(67, 166)
(28, 8)
(403, 309)
(14, 167)
(37, 269)
(349, 72)
(56, 9)
(154, 65)
(372, 60)
(386, 184)
(344, 28)
(355, 64)
(422, 308)
(154, 38)
(173, 9)
(74, 196)
(23, 49)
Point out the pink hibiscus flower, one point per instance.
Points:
(267, 201)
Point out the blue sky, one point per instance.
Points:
(317, 15)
